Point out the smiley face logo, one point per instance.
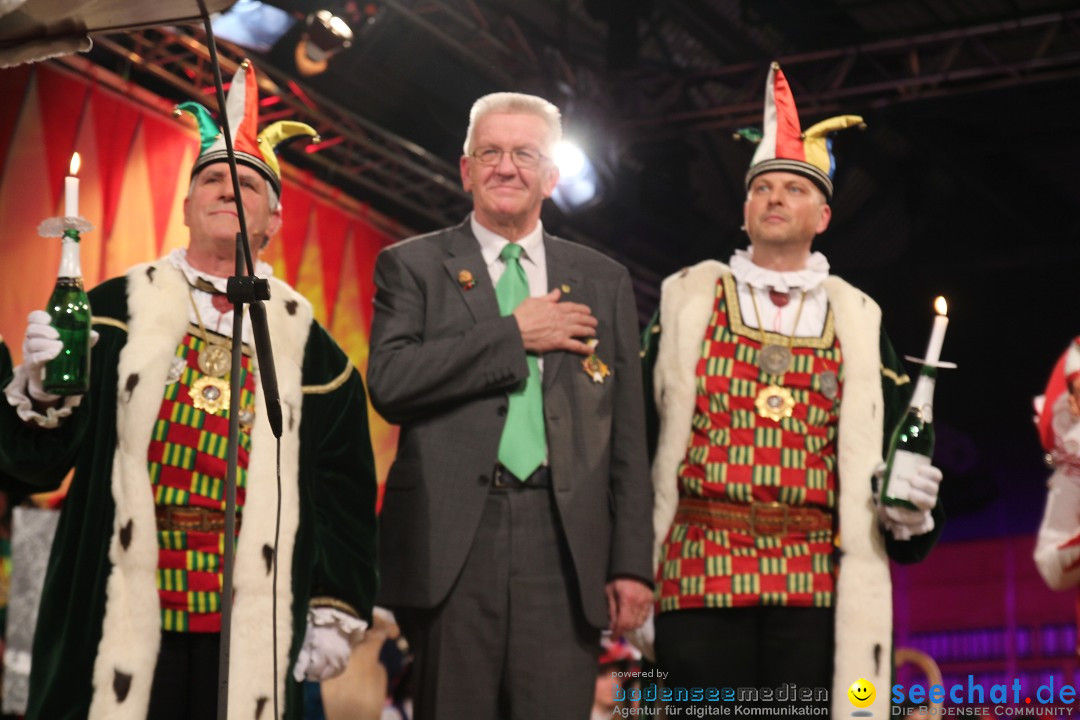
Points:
(861, 693)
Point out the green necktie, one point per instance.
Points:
(524, 443)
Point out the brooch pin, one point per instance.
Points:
(176, 370)
(830, 384)
(594, 367)
(565, 289)
(465, 280)
(210, 394)
(775, 402)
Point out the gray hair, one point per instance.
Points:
(517, 103)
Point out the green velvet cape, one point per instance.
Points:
(332, 483)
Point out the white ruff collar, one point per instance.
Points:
(178, 258)
(806, 279)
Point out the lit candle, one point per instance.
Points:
(937, 334)
(71, 189)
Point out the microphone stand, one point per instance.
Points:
(243, 289)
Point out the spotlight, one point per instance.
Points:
(326, 34)
(579, 184)
(570, 159)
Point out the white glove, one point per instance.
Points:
(1057, 549)
(42, 344)
(26, 392)
(328, 643)
(904, 523)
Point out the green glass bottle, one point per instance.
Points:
(69, 372)
(912, 442)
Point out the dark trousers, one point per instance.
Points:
(185, 679)
(758, 647)
(510, 641)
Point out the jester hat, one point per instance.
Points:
(252, 148)
(785, 147)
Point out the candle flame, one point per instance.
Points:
(941, 306)
(76, 161)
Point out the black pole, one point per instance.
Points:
(231, 459)
(244, 288)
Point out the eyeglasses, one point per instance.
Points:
(523, 158)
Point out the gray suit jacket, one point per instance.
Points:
(442, 362)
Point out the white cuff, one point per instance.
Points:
(18, 396)
(348, 625)
(904, 524)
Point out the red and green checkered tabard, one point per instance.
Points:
(736, 456)
(187, 469)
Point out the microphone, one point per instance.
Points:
(260, 331)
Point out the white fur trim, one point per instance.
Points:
(131, 632)
(864, 588)
(863, 595)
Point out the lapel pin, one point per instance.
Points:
(565, 289)
(465, 280)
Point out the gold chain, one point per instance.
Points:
(761, 326)
(215, 359)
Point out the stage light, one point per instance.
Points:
(326, 35)
(253, 24)
(570, 159)
(579, 182)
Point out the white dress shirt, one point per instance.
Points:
(533, 259)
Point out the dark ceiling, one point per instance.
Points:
(965, 182)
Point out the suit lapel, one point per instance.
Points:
(561, 275)
(469, 273)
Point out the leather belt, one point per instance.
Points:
(758, 519)
(191, 519)
(503, 478)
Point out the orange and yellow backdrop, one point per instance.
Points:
(136, 159)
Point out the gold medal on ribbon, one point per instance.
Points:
(595, 368)
(215, 360)
(210, 394)
(775, 402)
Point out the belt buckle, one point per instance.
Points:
(756, 506)
(174, 516)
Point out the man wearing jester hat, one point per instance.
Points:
(770, 377)
(130, 618)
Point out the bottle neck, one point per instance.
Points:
(922, 399)
(70, 266)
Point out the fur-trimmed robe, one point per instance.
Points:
(99, 625)
(863, 598)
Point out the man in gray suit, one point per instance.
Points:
(517, 517)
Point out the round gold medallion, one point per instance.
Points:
(215, 360)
